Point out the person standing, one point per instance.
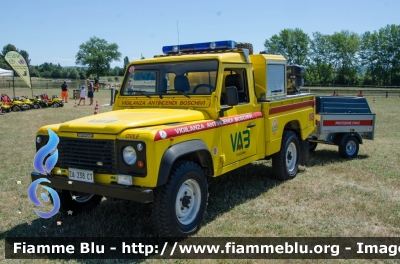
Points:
(96, 84)
(64, 92)
(83, 95)
(90, 91)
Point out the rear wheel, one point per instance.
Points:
(350, 148)
(180, 204)
(55, 105)
(78, 202)
(285, 163)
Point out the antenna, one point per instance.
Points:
(177, 29)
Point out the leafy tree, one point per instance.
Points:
(97, 54)
(7, 48)
(291, 43)
(380, 54)
(320, 66)
(56, 73)
(64, 73)
(73, 74)
(82, 74)
(25, 55)
(345, 47)
(126, 62)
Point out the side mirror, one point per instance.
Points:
(231, 96)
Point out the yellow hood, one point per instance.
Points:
(115, 122)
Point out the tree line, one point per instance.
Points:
(94, 56)
(343, 58)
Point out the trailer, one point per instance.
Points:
(342, 121)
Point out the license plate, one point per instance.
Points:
(81, 175)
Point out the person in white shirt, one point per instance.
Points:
(83, 95)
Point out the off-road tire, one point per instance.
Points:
(78, 205)
(15, 108)
(313, 146)
(244, 45)
(283, 165)
(55, 105)
(186, 179)
(350, 148)
(36, 106)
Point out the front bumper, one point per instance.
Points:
(141, 195)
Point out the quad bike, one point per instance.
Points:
(38, 100)
(30, 102)
(5, 108)
(54, 101)
(16, 104)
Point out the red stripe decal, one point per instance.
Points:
(193, 128)
(290, 107)
(347, 123)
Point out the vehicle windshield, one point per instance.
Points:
(187, 78)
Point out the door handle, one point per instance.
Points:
(251, 125)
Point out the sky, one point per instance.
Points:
(53, 30)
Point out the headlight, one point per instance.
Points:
(129, 155)
(139, 147)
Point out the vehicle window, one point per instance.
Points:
(190, 77)
(236, 77)
(140, 82)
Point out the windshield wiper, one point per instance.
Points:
(141, 92)
(178, 91)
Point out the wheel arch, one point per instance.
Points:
(341, 138)
(193, 150)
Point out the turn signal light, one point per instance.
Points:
(140, 164)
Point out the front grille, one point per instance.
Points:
(86, 153)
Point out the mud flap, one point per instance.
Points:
(304, 152)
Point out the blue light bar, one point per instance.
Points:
(206, 46)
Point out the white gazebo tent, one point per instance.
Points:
(8, 73)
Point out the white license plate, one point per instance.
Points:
(81, 175)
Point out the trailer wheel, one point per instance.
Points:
(349, 149)
(179, 205)
(312, 146)
(285, 163)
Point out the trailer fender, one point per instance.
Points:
(195, 150)
(341, 137)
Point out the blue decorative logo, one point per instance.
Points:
(45, 167)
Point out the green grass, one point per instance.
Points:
(329, 197)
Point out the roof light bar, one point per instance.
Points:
(206, 46)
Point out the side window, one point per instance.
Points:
(236, 77)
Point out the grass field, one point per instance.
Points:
(329, 197)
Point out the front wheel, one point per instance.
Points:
(78, 202)
(55, 105)
(285, 163)
(15, 108)
(312, 146)
(179, 205)
(349, 149)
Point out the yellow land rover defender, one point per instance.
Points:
(196, 112)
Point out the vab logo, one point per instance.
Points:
(45, 167)
(240, 138)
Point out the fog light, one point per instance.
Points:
(140, 164)
(38, 140)
(124, 179)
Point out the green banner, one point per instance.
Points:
(18, 63)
